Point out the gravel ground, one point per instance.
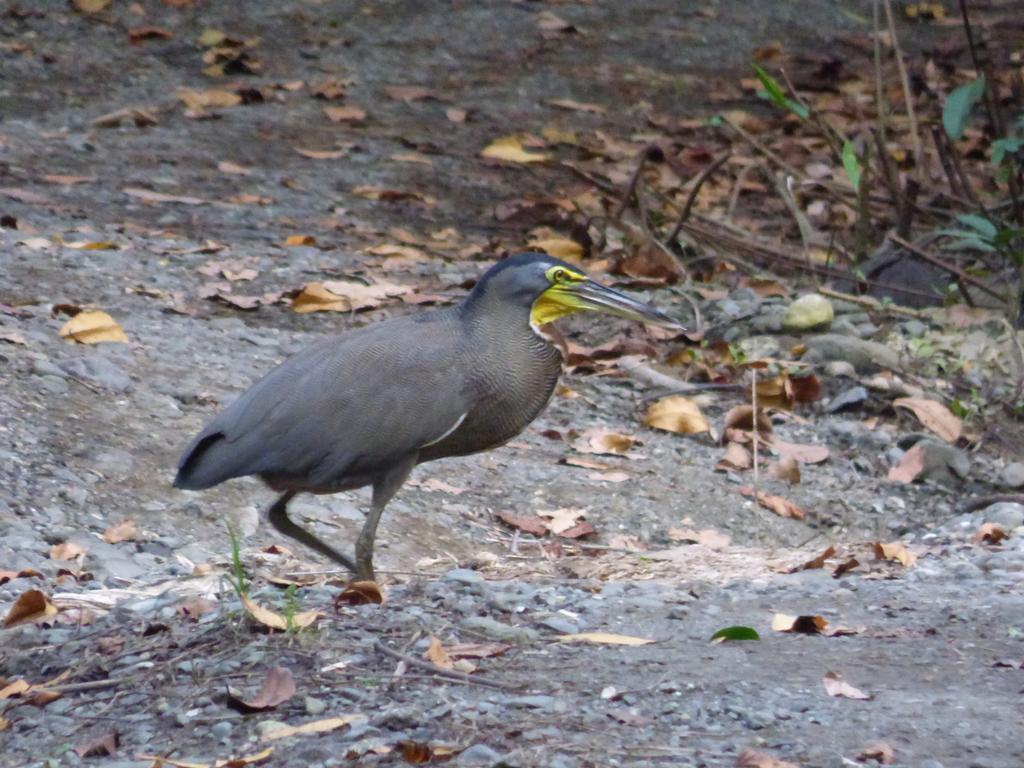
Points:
(90, 434)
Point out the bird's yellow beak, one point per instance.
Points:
(584, 294)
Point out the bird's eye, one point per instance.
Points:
(560, 275)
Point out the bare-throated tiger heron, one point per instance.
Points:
(365, 407)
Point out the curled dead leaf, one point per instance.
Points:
(786, 469)
(880, 753)
(739, 424)
(599, 440)
(750, 758)
(437, 654)
(67, 550)
(836, 686)
(805, 625)
(92, 327)
(32, 605)
(345, 296)
(934, 416)
(317, 726)
(360, 593)
(526, 523)
(277, 687)
(911, 465)
(777, 504)
(989, 533)
(126, 530)
(274, 620)
(736, 458)
(347, 114)
(817, 562)
(896, 551)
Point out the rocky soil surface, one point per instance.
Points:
(152, 639)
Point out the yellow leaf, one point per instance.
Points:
(510, 149)
(344, 296)
(274, 620)
(97, 246)
(559, 247)
(604, 638)
(317, 726)
(92, 327)
(676, 414)
(300, 240)
(30, 606)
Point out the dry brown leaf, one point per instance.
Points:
(403, 251)
(101, 746)
(90, 6)
(880, 753)
(273, 620)
(800, 452)
(15, 688)
(321, 154)
(345, 296)
(126, 530)
(989, 533)
(576, 106)
(349, 114)
(603, 441)
(416, 752)
(786, 469)
(360, 593)
(226, 166)
(739, 424)
(676, 414)
(510, 149)
(278, 686)
(836, 686)
(67, 550)
(392, 195)
(411, 157)
(456, 115)
(843, 568)
(817, 562)
(750, 758)
(294, 240)
(11, 336)
(211, 99)
(896, 551)
(92, 327)
(603, 638)
(934, 416)
(708, 537)
(149, 196)
(559, 247)
(777, 504)
(526, 523)
(86, 245)
(476, 650)
(737, 457)
(32, 605)
(563, 519)
(609, 477)
(551, 23)
(910, 466)
(317, 726)
(806, 625)
(436, 653)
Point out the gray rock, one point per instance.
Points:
(97, 370)
(560, 624)
(314, 706)
(463, 576)
(859, 353)
(844, 327)
(478, 754)
(914, 328)
(1006, 514)
(1012, 475)
(840, 368)
(221, 730)
(808, 313)
(499, 631)
(848, 398)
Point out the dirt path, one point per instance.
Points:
(90, 434)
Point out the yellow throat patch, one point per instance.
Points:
(558, 300)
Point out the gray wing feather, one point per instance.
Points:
(350, 404)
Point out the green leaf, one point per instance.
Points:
(851, 164)
(1003, 147)
(736, 633)
(979, 224)
(773, 92)
(970, 244)
(958, 106)
(1007, 235)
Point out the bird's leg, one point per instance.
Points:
(278, 516)
(383, 489)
